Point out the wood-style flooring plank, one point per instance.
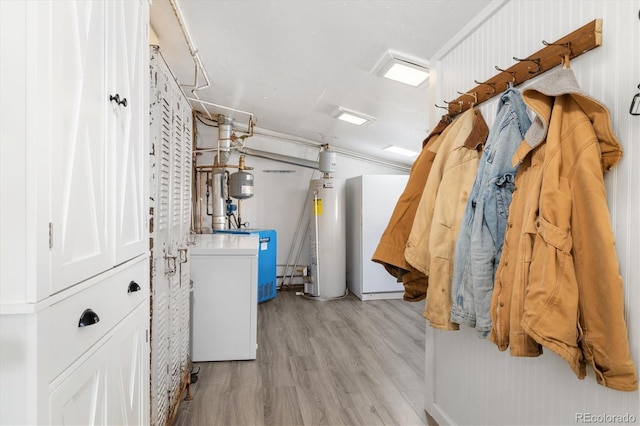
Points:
(337, 362)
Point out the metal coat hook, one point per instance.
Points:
(565, 45)
(535, 61)
(491, 85)
(513, 73)
(634, 109)
(438, 106)
(572, 45)
(453, 103)
(474, 95)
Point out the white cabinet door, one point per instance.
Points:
(175, 339)
(170, 220)
(77, 97)
(160, 380)
(177, 171)
(111, 386)
(184, 252)
(187, 172)
(160, 199)
(98, 95)
(81, 399)
(185, 311)
(128, 80)
(129, 372)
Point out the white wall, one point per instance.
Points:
(280, 189)
(468, 381)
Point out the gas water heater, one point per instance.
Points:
(327, 229)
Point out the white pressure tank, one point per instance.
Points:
(327, 239)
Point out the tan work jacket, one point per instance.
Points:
(558, 284)
(431, 244)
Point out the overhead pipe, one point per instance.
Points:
(340, 151)
(280, 157)
(250, 124)
(194, 55)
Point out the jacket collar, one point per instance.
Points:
(442, 124)
(539, 97)
(479, 131)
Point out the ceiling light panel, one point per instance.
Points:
(406, 74)
(403, 68)
(353, 117)
(402, 151)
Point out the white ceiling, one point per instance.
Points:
(292, 63)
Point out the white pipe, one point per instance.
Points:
(194, 54)
(341, 151)
(203, 103)
(280, 157)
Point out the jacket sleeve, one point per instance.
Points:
(604, 343)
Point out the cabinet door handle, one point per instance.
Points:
(117, 99)
(133, 287)
(88, 318)
(170, 267)
(185, 258)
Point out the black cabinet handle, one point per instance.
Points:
(133, 287)
(88, 318)
(119, 101)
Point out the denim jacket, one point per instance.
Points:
(481, 234)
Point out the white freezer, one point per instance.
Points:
(224, 271)
(370, 202)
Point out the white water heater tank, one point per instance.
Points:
(327, 238)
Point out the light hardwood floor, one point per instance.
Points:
(338, 362)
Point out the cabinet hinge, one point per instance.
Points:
(146, 335)
(50, 235)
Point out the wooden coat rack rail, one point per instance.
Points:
(553, 54)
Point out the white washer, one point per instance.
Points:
(224, 271)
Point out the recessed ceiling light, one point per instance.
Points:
(353, 117)
(402, 151)
(403, 68)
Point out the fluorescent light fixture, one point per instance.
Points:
(403, 68)
(402, 151)
(353, 117)
(408, 75)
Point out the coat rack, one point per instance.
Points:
(553, 54)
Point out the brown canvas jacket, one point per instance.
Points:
(390, 250)
(558, 284)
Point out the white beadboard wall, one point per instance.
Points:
(468, 381)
